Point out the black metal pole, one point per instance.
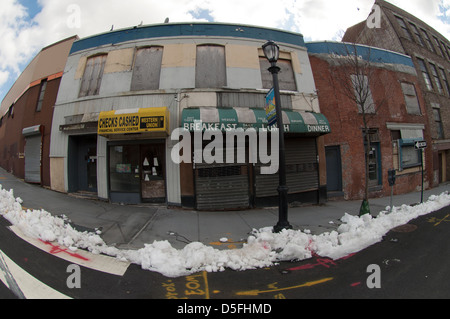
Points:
(283, 222)
(421, 162)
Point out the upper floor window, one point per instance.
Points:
(444, 48)
(438, 120)
(41, 95)
(405, 29)
(210, 67)
(438, 44)
(437, 81)
(363, 94)
(417, 33)
(445, 80)
(147, 69)
(286, 76)
(428, 40)
(411, 100)
(425, 74)
(92, 77)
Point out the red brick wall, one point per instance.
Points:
(11, 139)
(347, 124)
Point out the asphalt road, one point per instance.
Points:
(411, 262)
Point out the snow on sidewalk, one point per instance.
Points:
(263, 248)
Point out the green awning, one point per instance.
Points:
(210, 118)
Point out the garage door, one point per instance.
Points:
(33, 159)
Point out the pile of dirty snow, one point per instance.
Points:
(263, 248)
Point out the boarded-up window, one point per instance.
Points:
(147, 69)
(412, 103)
(286, 78)
(363, 94)
(92, 77)
(210, 68)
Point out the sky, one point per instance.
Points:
(26, 26)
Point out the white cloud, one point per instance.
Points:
(3, 77)
(12, 22)
(22, 37)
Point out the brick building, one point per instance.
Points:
(26, 115)
(396, 120)
(399, 31)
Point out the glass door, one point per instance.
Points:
(152, 161)
(124, 169)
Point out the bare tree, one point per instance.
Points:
(352, 72)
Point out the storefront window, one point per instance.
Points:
(408, 155)
(152, 180)
(124, 168)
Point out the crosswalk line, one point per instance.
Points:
(83, 258)
(24, 285)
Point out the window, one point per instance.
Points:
(412, 103)
(405, 136)
(438, 121)
(395, 135)
(445, 49)
(210, 68)
(147, 69)
(363, 94)
(408, 156)
(41, 95)
(428, 40)
(417, 33)
(436, 78)
(405, 29)
(92, 77)
(444, 79)
(286, 76)
(439, 46)
(425, 74)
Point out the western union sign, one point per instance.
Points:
(152, 119)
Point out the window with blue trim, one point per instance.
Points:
(407, 154)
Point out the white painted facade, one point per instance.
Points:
(176, 91)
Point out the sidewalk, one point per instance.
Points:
(132, 226)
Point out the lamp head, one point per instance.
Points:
(271, 51)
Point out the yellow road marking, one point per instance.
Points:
(205, 279)
(442, 220)
(307, 284)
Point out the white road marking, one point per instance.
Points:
(23, 284)
(81, 257)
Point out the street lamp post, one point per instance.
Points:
(272, 52)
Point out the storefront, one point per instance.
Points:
(241, 184)
(136, 154)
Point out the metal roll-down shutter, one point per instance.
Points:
(222, 186)
(33, 153)
(301, 170)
